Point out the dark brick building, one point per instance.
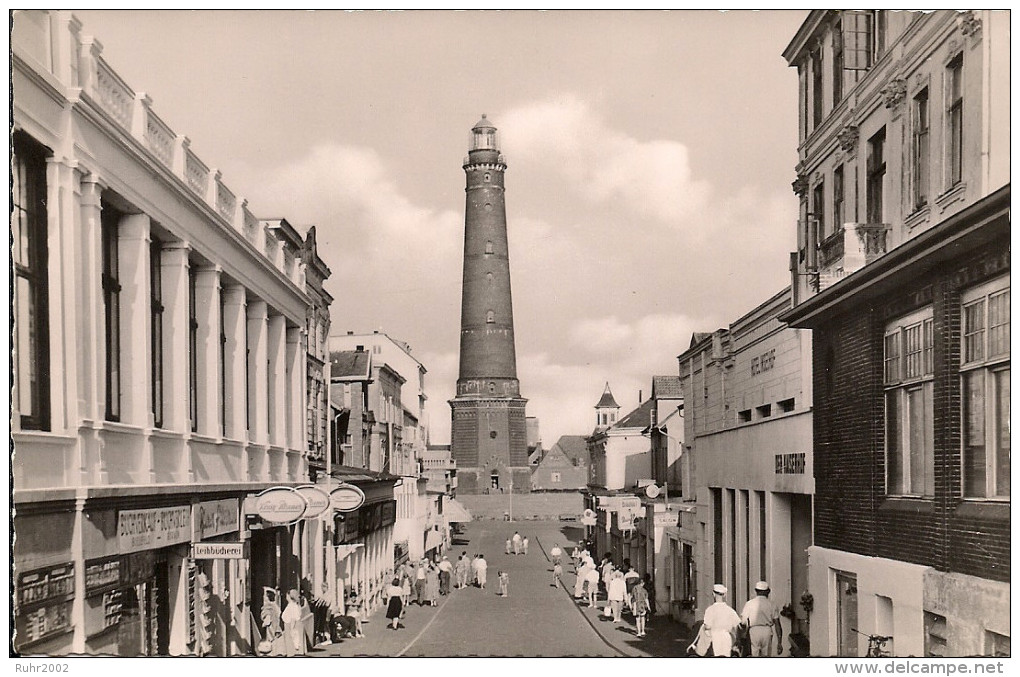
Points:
(902, 273)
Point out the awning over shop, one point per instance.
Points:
(455, 512)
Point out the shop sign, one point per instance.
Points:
(137, 567)
(45, 621)
(280, 505)
(791, 464)
(665, 519)
(346, 498)
(215, 518)
(43, 585)
(389, 513)
(101, 575)
(318, 500)
(217, 550)
(153, 528)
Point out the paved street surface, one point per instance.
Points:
(537, 619)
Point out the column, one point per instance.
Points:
(135, 340)
(234, 361)
(754, 530)
(258, 379)
(277, 382)
(207, 313)
(296, 408)
(740, 595)
(727, 537)
(91, 348)
(174, 271)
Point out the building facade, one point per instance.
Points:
(747, 396)
(317, 370)
(159, 371)
(910, 321)
(488, 431)
(564, 467)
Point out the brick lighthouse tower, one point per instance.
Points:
(488, 434)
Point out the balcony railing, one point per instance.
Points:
(851, 248)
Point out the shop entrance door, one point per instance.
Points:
(846, 614)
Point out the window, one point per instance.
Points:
(837, 63)
(816, 87)
(935, 634)
(996, 645)
(744, 416)
(856, 39)
(985, 391)
(919, 153)
(555, 477)
(876, 177)
(879, 25)
(838, 196)
(192, 350)
(786, 406)
(488, 246)
(818, 208)
(156, 319)
(764, 411)
(490, 317)
(954, 120)
(909, 410)
(31, 298)
(111, 306)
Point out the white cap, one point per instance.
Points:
(761, 586)
(719, 589)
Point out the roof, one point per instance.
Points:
(287, 231)
(573, 446)
(667, 388)
(350, 365)
(699, 336)
(483, 123)
(607, 401)
(536, 456)
(638, 418)
(349, 473)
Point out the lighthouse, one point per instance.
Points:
(488, 431)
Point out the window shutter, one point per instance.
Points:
(857, 40)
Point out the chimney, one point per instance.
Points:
(640, 396)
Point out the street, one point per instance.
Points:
(536, 620)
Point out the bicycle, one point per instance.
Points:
(876, 644)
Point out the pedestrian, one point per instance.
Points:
(592, 581)
(557, 574)
(650, 589)
(405, 589)
(631, 578)
(504, 584)
(445, 574)
(509, 545)
(616, 593)
(419, 582)
(761, 617)
(639, 606)
(483, 567)
(394, 607)
(720, 622)
(575, 555)
(463, 570)
(556, 553)
(580, 580)
(517, 543)
(432, 586)
(524, 545)
(606, 569)
(293, 627)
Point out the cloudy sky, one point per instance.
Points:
(648, 192)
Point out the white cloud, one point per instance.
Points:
(601, 163)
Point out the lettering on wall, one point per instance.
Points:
(764, 362)
(791, 464)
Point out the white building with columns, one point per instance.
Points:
(160, 370)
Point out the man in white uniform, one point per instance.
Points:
(761, 616)
(720, 622)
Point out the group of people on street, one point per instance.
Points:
(624, 587)
(422, 583)
(722, 624)
(517, 544)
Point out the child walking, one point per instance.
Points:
(640, 606)
(504, 584)
(557, 574)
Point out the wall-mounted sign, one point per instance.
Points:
(280, 505)
(153, 528)
(589, 513)
(217, 550)
(652, 491)
(665, 519)
(346, 498)
(43, 585)
(791, 464)
(215, 518)
(318, 500)
(44, 604)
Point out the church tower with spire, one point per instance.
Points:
(488, 434)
